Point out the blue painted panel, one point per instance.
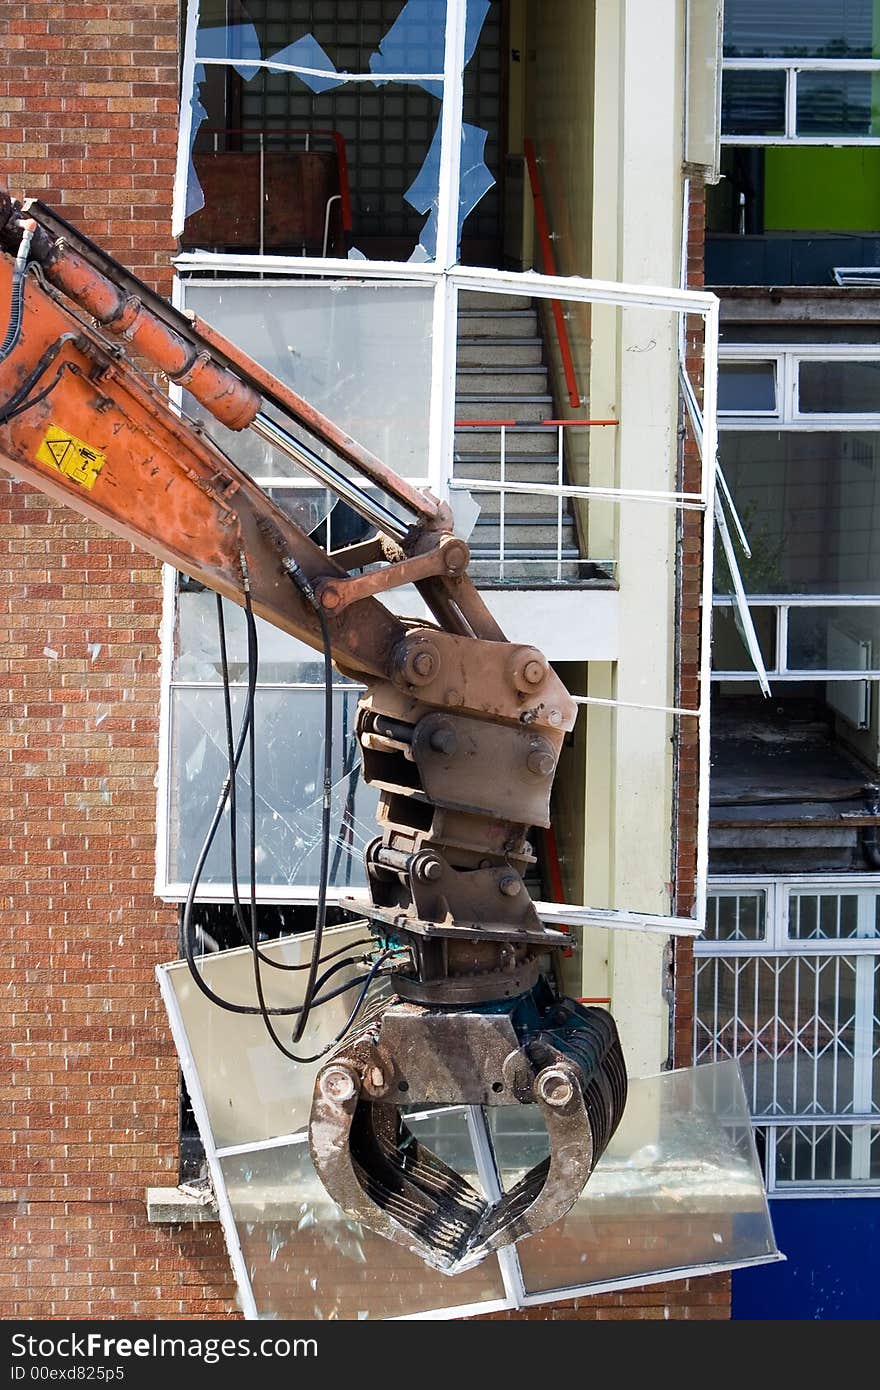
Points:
(785, 260)
(831, 1270)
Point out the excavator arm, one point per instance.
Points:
(459, 729)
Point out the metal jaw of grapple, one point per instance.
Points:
(541, 1050)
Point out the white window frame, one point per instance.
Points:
(787, 358)
(780, 670)
(792, 67)
(789, 418)
(778, 944)
(752, 360)
(447, 278)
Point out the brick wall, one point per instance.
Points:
(691, 541)
(717, 1287)
(88, 102)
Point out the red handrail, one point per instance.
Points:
(341, 155)
(567, 424)
(549, 260)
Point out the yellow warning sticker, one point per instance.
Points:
(71, 456)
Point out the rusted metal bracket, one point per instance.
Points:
(449, 557)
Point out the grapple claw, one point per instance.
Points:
(562, 1057)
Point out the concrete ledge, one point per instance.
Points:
(169, 1205)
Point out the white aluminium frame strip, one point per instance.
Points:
(444, 337)
(200, 1110)
(709, 457)
(185, 130)
(326, 74)
(529, 284)
(792, 67)
(167, 626)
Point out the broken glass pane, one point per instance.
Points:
(288, 788)
(308, 55)
(283, 659)
(306, 1259)
(397, 37)
(290, 153)
(251, 1091)
(678, 1186)
(475, 182)
(238, 44)
(360, 353)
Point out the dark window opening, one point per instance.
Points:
(217, 930)
(789, 215)
(331, 162)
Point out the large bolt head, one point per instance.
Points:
(510, 885)
(330, 597)
(541, 763)
(555, 1087)
(443, 740)
(429, 869)
(423, 664)
(527, 669)
(416, 661)
(338, 1085)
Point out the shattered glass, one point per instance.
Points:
(678, 1187)
(288, 788)
(359, 353)
(307, 1259)
(251, 1091)
(475, 182)
(283, 659)
(301, 101)
(678, 1190)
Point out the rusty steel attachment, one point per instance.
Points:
(460, 730)
(551, 1052)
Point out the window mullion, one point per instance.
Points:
(791, 103)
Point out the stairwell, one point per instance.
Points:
(501, 375)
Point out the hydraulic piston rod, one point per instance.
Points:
(365, 505)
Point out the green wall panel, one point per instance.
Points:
(819, 189)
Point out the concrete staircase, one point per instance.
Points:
(501, 376)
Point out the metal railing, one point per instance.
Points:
(557, 555)
(545, 236)
(793, 999)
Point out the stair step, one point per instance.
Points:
(542, 521)
(471, 300)
(522, 440)
(522, 409)
(505, 381)
(526, 573)
(523, 507)
(522, 531)
(525, 470)
(506, 323)
(497, 354)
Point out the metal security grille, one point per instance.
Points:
(788, 983)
